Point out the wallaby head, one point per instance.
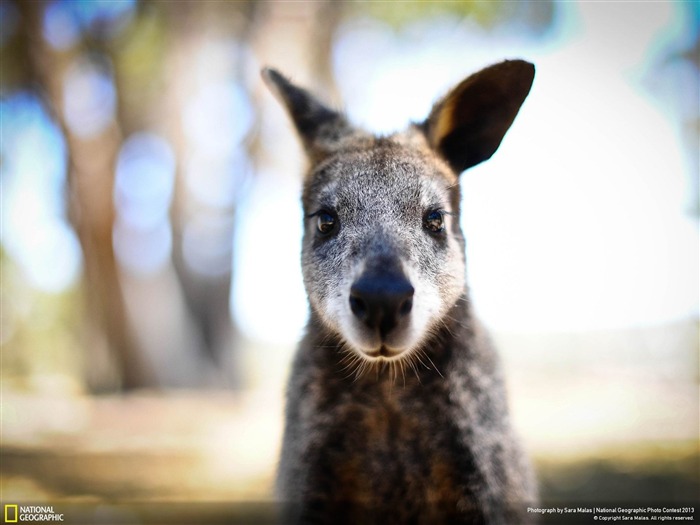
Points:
(383, 253)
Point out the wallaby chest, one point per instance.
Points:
(391, 440)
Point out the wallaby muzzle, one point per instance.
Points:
(381, 298)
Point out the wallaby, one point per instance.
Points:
(396, 409)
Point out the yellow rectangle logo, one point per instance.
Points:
(11, 514)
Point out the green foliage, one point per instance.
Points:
(40, 338)
(139, 55)
(484, 12)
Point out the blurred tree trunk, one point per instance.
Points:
(158, 305)
(181, 344)
(192, 27)
(91, 210)
(307, 30)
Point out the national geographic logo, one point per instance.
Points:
(11, 513)
(31, 513)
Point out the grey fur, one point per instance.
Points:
(409, 424)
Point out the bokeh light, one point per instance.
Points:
(145, 178)
(90, 99)
(61, 28)
(207, 244)
(65, 21)
(144, 250)
(217, 118)
(35, 231)
(143, 190)
(268, 274)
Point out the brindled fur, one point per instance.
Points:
(420, 433)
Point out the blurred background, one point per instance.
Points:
(151, 291)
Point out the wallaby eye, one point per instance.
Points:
(434, 221)
(325, 222)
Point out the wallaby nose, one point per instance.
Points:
(380, 301)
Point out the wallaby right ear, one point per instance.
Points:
(321, 129)
(467, 126)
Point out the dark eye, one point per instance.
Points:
(325, 222)
(434, 221)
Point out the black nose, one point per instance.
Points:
(380, 301)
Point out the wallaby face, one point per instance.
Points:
(383, 253)
(384, 269)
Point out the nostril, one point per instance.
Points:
(381, 301)
(358, 306)
(405, 307)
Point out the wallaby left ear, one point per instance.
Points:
(467, 126)
(321, 129)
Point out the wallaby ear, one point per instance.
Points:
(321, 129)
(467, 126)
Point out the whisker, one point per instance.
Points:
(459, 322)
(352, 367)
(410, 361)
(351, 364)
(358, 372)
(418, 352)
(435, 367)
